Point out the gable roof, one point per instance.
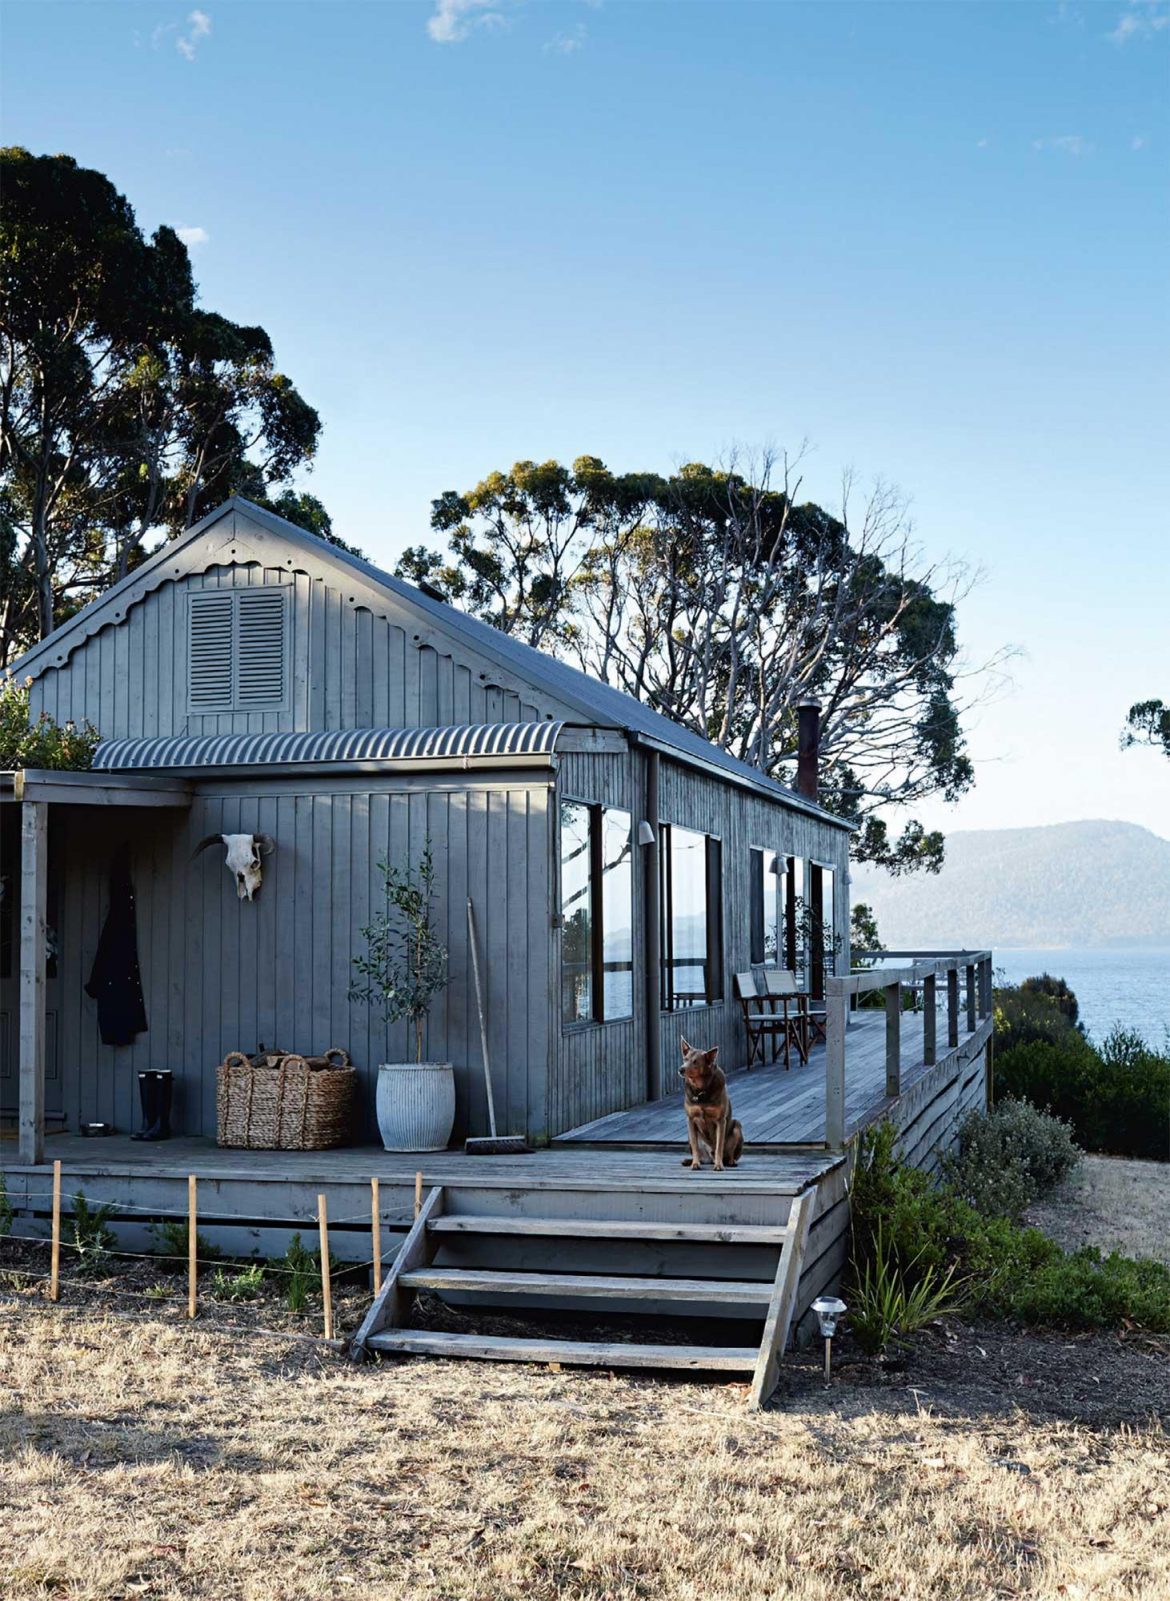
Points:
(593, 701)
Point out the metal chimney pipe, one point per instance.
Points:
(808, 748)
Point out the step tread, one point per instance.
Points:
(611, 1229)
(573, 1353)
(744, 1292)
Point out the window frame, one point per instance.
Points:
(715, 989)
(595, 811)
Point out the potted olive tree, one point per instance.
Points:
(404, 967)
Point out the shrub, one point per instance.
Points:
(92, 1240)
(242, 1286)
(6, 1212)
(1028, 1012)
(42, 743)
(922, 1228)
(1117, 1099)
(302, 1270)
(1010, 1157)
(172, 1239)
(1057, 991)
(888, 1304)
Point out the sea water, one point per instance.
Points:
(1130, 987)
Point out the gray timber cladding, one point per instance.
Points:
(220, 974)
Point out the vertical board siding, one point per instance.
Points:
(601, 1068)
(346, 667)
(222, 974)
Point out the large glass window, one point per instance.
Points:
(692, 923)
(617, 914)
(597, 913)
(767, 908)
(576, 914)
(794, 916)
(822, 939)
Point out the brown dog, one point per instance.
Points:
(710, 1125)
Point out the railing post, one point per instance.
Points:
(971, 997)
(930, 1020)
(952, 1007)
(835, 1015)
(893, 1040)
(988, 1004)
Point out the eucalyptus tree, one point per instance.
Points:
(721, 599)
(126, 409)
(1147, 723)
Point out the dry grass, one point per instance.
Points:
(1113, 1203)
(147, 1457)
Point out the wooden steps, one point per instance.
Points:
(573, 1353)
(751, 1296)
(605, 1229)
(772, 1301)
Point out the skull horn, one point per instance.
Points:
(266, 843)
(205, 843)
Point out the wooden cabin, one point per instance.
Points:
(250, 678)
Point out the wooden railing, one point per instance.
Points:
(923, 968)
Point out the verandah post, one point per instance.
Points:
(930, 1020)
(893, 1040)
(952, 1007)
(34, 822)
(971, 1018)
(836, 1005)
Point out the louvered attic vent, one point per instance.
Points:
(237, 650)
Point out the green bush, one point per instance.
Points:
(1027, 1012)
(1007, 1271)
(888, 1305)
(242, 1286)
(1117, 1099)
(1010, 1157)
(42, 743)
(92, 1239)
(6, 1212)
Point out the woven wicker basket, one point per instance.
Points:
(284, 1103)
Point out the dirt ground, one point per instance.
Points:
(1113, 1203)
(147, 1456)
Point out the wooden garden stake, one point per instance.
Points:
(417, 1193)
(192, 1242)
(326, 1285)
(55, 1265)
(376, 1234)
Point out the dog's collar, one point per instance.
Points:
(699, 1099)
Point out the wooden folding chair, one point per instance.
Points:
(759, 1019)
(783, 995)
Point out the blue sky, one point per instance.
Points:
(932, 239)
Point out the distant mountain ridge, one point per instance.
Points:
(1088, 885)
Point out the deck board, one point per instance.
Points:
(777, 1106)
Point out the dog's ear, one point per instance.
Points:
(684, 1045)
(709, 1056)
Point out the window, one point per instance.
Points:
(793, 915)
(767, 907)
(821, 928)
(236, 650)
(597, 913)
(691, 866)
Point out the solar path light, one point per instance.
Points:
(829, 1311)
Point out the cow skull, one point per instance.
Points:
(244, 852)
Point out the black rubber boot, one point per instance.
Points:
(155, 1089)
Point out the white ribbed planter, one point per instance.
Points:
(416, 1105)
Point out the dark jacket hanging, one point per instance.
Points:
(115, 983)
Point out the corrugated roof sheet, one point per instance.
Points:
(478, 741)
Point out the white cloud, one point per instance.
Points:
(199, 26)
(1138, 142)
(565, 43)
(453, 20)
(193, 236)
(1141, 20)
(1070, 144)
(982, 144)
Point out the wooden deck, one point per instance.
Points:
(775, 1106)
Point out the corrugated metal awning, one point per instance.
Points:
(494, 743)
